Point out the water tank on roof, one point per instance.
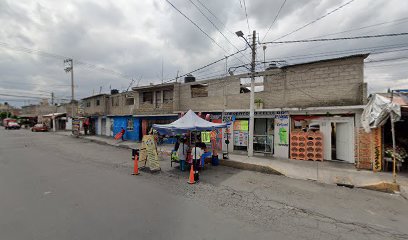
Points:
(272, 66)
(189, 78)
(114, 91)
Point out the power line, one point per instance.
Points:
(274, 20)
(401, 20)
(317, 19)
(205, 66)
(61, 57)
(373, 50)
(338, 39)
(215, 26)
(222, 23)
(195, 24)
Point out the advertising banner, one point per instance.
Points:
(281, 135)
(149, 152)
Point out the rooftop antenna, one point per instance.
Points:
(131, 82)
(138, 81)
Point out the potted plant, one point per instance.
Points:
(400, 155)
(258, 104)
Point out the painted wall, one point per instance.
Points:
(120, 122)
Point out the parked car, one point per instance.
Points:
(12, 125)
(39, 128)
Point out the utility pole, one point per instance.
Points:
(162, 72)
(70, 68)
(252, 99)
(264, 48)
(52, 98)
(394, 162)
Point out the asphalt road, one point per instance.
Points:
(59, 187)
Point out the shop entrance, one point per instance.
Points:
(338, 138)
(340, 141)
(103, 126)
(263, 135)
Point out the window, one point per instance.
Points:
(98, 102)
(245, 85)
(130, 101)
(158, 99)
(129, 125)
(167, 96)
(199, 90)
(88, 103)
(148, 97)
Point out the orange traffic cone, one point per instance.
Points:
(136, 166)
(191, 179)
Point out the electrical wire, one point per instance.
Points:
(274, 20)
(317, 19)
(215, 26)
(205, 66)
(61, 57)
(222, 23)
(339, 39)
(196, 25)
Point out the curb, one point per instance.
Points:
(383, 187)
(250, 167)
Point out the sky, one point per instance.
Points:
(120, 43)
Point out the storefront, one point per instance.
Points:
(271, 130)
(337, 136)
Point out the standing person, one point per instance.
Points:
(123, 131)
(182, 153)
(85, 126)
(196, 152)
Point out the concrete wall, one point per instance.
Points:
(94, 109)
(336, 82)
(122, 108)
(153, 108)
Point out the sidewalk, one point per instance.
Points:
(324, 172)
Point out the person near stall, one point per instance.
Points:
(196, 153)
(182, 153)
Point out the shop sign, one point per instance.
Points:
(241, 132)
(266, 114)
(281, 137)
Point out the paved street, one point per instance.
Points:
(59, 187)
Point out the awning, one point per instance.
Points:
(189, 122)
(377, 112)
(54, 115)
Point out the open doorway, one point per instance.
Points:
(341, 135)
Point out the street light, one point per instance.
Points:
(252, 93)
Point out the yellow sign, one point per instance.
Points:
(205, 137)
(149, 152)
(241, 125)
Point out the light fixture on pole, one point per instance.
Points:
(252, 93)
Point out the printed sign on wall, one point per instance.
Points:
(281, 134)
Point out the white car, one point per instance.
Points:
(13, 125)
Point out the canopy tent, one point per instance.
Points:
(189, 122)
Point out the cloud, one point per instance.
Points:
(135, 37)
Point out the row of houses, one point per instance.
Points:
(327, 96)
